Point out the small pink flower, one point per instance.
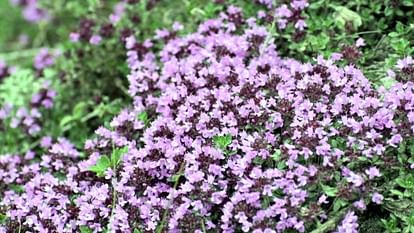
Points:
(360, 42)
(74, 36)
(95, 40)
(377, 198)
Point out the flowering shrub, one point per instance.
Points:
(224, 135)
(225, 122)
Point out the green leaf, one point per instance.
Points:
(85, 229)
(102, 164)
(65, 120)
(397, 192)
(221, 142)
(406, 182)
(338, 204)
(143, 116)
(388, 82)
(329, 191)
(281, 165)
(79, 110)
(344, 15)
(408, 3)
(175, 178)
(17, 188)
(258, 161)
(137, 231)
(18, 88)
(3, 219)
(117, 155)
(276, 156)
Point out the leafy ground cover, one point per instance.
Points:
(206, 116)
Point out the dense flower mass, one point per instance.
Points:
(223, 135)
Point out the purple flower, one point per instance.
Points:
(44, 59)
(403, 63)
(355, 179)
(377, 198)
(322, 199)
(372, 172)
(95, 40)
(74, 36)
(360, 42)
(360, 205)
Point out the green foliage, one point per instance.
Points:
(222, 142)
(143, 116)
(3, 218)
(101, 166)
(18, 88)
(386, 28)
(85, 229)
(329, 191)
(343, 15)
(371, 225)
(116, 156)
(8, 33)
(399, 192)
(104, 162)
(276, 155)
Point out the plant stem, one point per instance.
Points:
(203, 226)
(330, 224)
(20, 226)
(19, 54)
(164, 216)
(114, 197)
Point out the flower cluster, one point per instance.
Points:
(223, 136)
(44, 97)
(43, 59)
(284, 14)
(32, 12)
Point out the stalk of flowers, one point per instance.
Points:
(223, 136)
(32, 12)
